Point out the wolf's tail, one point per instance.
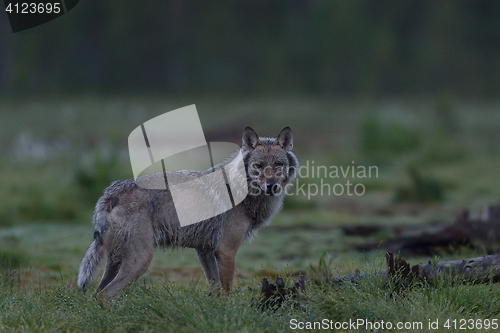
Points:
(90, 261)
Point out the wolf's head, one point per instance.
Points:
(269, 162)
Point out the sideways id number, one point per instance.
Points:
(33, 8)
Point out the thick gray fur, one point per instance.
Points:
(130, 221)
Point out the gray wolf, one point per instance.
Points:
(130, 221)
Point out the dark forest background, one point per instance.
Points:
(252, 47)
(409, 87)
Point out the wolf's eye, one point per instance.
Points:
(258, 165)
(279, 164)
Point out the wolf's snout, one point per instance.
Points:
(272, 188)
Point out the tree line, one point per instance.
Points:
(280, 46)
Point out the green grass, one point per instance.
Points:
(39, 294)
(48, 252)
(159, 306)
(58, 155)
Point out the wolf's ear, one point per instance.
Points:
(250, 139)
(285, 139)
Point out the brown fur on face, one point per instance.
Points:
(271, 162)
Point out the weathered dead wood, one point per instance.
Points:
(369, 230)
(361, 230)
(481, 269)
(482, 234)
(273, 295)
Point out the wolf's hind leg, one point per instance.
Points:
(112, 268)
(209, 265)
(137, 255)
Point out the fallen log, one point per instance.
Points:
(272, 295)
(482, 234)
(480, 269)
(369, 230)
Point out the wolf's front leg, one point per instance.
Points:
(233, 235)
(209, 265)
(226, 259)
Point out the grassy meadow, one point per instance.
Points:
(60, 153)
